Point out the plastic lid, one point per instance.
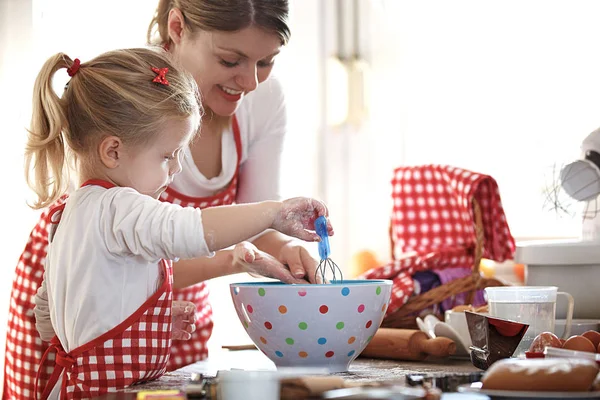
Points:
(558, 252)
(520, 294)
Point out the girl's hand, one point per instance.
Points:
(297, 216)
(184, 320)
(250, 259)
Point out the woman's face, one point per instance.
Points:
(228, 65)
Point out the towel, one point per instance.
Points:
(433, 225)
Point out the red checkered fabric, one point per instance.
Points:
(432, 224)
(185, 352)
(24, 348)
(137, 350)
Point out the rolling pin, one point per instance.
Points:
(407, 344)
(397, 344)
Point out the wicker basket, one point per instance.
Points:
(405, 317)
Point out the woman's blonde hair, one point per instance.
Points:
(221, 15)
(111, 95)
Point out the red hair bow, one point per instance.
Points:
(72, 70)
(161, 75)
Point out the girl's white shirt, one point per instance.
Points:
(103, 261)
(262, 121)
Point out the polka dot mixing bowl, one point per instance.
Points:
(324, 326)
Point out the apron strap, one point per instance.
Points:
(63, 361)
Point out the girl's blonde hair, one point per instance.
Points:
(111, 95)
(221, 15)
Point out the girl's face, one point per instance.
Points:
(228, 65)
(150, 168)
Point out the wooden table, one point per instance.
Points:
(361, 370)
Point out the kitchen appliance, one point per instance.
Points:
(572, 265)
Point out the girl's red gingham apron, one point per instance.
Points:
(24, 348)
(136, 350)
(185, 352)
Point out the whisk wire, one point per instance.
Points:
(324, 267)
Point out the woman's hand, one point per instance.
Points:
(184, 320)
(250, 259)
(297, 218)
(299, 261)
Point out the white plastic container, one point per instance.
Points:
(572, 265)
(248, 385)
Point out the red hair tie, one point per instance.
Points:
(161, 75)
(72, 70)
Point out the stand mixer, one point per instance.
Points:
(572, 265)
(581, 181)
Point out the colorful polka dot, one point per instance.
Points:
(282, 309)
(322, 340)
(339, 325)
(351, 340)
(249, 308)
(345, 291)
(278, 353)
(383, 308)
(351, 353)
(268, 325)
(369, 339)
(378, 290)
(303, 325)
(263, 340)
(368, 324)
(303, 354)
(261, 292)
(329, 354)
(289, 341)
(246, 324)
(236, 291)
(301, 293)
(323, 309)
(361, 308)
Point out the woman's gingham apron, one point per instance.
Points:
(136, 350)
(24, 348)
(185, 352)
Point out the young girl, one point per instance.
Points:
(123, 121)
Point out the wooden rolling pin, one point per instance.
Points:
(397, 344)
(407, 344)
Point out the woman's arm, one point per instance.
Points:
(190, 272)
(245, 257)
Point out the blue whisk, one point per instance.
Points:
(326, 264)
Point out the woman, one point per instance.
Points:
(229, 47)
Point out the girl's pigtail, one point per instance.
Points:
(46, 169)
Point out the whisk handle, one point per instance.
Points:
(321, 229)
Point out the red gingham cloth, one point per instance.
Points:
(136, 350)
(24, 348)
(432, 224)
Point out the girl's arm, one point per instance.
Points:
(139, 225)
(43, 324)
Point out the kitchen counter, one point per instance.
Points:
(362, 370)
